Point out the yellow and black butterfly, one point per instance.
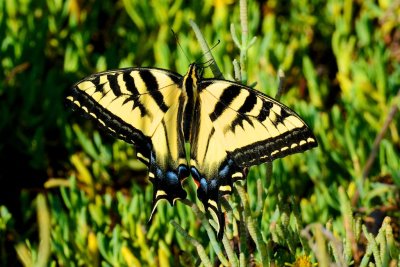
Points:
(229, 127)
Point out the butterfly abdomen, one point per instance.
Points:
(189, 89)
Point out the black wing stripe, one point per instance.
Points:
(264, 112)
(281, 118)
(114, 85)
(176, 78)
(130, 83)
(209, 139)
(134, 97)
(165, 128)
(180, 118)
(229, 94)
(96, 82)
(249, 103)
(153, 88)
(238, 121)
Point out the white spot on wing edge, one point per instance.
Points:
(213, 203)
(111, 130)
(160, 193)
(274, 152)
(76, 102)
(140, 155)
(225, 188)
(237, 175)
(101, 121)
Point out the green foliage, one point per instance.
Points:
(72, 196)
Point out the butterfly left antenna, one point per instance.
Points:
(177, 41)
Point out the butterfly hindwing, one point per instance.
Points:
(169, 169)
(141, 106)
(207, 155)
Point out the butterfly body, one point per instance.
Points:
(229, 127)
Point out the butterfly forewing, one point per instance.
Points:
(256, 128)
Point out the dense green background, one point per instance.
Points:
(72, 196)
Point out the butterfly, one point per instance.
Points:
(228, 126)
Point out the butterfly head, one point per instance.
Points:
(195, 71)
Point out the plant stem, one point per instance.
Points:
(252, 226)
(206, 50)
(245, 35)
(210, 232)
(200, 249)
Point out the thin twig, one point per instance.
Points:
(375, 147)
(236, 68)
(244, 252)
(233, 260)
(335, 244)
(281, 76)
(394, 108)
(350, 248)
